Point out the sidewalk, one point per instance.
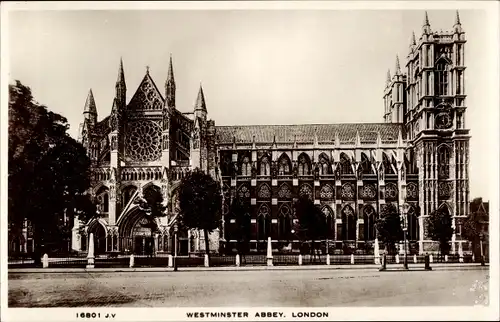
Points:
(390, 268)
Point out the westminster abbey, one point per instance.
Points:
(418, 155)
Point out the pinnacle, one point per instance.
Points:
(398, 67)
(413, 41)
(457, 19)
(90, 104)
(121, 75)
(200, 101)
(388, 76)
(170, 70)
(426, 22)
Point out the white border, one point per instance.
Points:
(178, 314)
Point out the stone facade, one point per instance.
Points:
(419, 156)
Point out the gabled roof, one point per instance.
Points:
(147, 95)
(305, 133)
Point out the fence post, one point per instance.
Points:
(414, 258)
(90, 256)
(397, 258)
(170, 261)
(431, 258)
(352, 259)
(205, 262)
(238, 263)
(445, 258)
(327, 259)
(384, 262)
(269, 252)
(45, 261)
(131, 264)
(300, 259)
(427, 262)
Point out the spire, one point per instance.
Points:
(170, 86)
(426, 21)
(457, 26)
(200, 101)
(121, 75)
(413, 41)
(113, 117)
(398, 67)
(388, 80)
(90, 107)
(457, 19)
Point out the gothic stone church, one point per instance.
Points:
(419, 155)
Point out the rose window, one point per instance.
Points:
(369, 191)
(347, 191)
(143, 142)
(391, 191)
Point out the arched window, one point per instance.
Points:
(264, 192)
(345, 164)
(127, 194)
(284, 223)
(304, 165)
(246, 166)
(103, 199)
(306, 190)
(369, 218)
(330, 222)
(264, 166)
(348, 223)
(264, 222)
(284, 191)
(366, 165)
(441, 77)
(387, 164)
(324, 165)
(244, 192)
(412, 224)
(444, 162)
(326, 192)
(284, 165)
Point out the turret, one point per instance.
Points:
(90, 110)
(426, 28)
(200, 108)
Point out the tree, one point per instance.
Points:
(473, 228)
(152, 204)
(240, 211)
(48, 170)
(311, 222)
(200, 199)
(439, 228)
(388, 227)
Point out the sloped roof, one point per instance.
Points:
(304, 133)
(102, 127)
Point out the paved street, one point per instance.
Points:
(320, 287)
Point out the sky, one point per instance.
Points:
(255, 66)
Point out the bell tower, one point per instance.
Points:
(435, 122)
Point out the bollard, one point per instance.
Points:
(170, 261)
(238, 260)
(352, 259)
(384, 263)
(131, 264)
(45, 261)
(415, 259)
(300, 259)
(473, 258)
(461, 258)
(397, 258)
(327, 259)
(431, 258)
(377, 260)
(427, 262)
(269, 252)
(483, 261)
(445, 258)
(205, 262)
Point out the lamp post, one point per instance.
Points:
(405, 208)
(176, 229)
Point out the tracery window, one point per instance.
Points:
(143, 141)
(265, 166)
(326, 192)
(264, 222)
(284, 191)
(264, 192)
(369, 217)
(391, 191)
(306, 190)
(284, 165)
(412, 190)
(246, 167)
(243, 192)
(324, 165)
(345, 164)
(304, 165)
(441, 78)
(347, 191)
(369, 191)
(348, 223)
(444, 162)
(284, 223)
(444, 189)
